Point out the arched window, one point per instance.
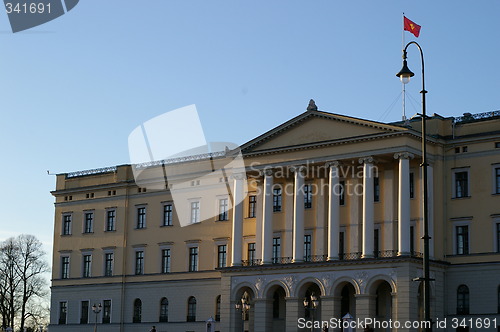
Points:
(217, 309)
(137, 311)
(191, 316)
(463, 300)
(164, 310)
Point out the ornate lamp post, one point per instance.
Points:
(96, 309)
(404, 74)
(311, 303)
(244, 306)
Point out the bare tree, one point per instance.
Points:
(22, 265)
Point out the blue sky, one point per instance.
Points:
(73, 89)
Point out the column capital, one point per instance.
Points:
(238, 176)
(403, 155)
(332, 163)
(366, 160)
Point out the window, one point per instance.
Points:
(221, 255)
(137, 311)
(167, 214)
(66, 224)
(497, 180)
(461, 184)
(276, 250)
(463, 300)
(87, 260)
(110, 220)
(307, 248)
(106, 312)
(376, 189)
(165, 261)
(462, 240)
(277, 199)
(88, 221)
(341, 245)
(141, 217)
(191, 316)
(497, 145)
(412, 186)
(84, 313)
(376, 242)
(412, 239)
(342, 193)
(217, 309)
(193, 259)
(251, 253)
(164, 310)
(307, 196)
(252, 203)
(108, 264)
(63, 311)
(222, 209)
(65, 267)
(139, 262)
(195, 212)
(498, 236)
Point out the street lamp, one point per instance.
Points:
(244, 306)
(96, 309)
(404, 74)
(311, 303)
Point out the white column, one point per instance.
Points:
(259, 214)
(319, 237)
(333, 211)
(389, 210)
(403, 203)
(298, 215)
(237, 234)
(267, 218)
(368, 208)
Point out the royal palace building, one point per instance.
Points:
(322, 218)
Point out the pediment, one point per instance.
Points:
(317, 127)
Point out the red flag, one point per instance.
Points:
(411, 26)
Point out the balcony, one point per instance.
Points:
(381, 254)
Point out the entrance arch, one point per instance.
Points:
(244, 306)
(276, 309)
(309, 295)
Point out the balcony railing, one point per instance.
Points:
(323, 258)
(468, 117)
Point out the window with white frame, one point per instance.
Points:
(88, 221)
(307, 247)
(461, 183)
(165, 260)
(139, 262)
(63, 312)
(167, 214)
(110, 220)
(64, 267)
(221, 255)
(307, 196)
(252, 204)
(496, 179)
(195, 212)
(277, 199)
(462, 239)
(251, 253)
(66, 224)
(108, 264)
(141, 217)
(276, 250)
(106, 311)
(193, 259)
(223, 209)
(87, 265)
(84, 312)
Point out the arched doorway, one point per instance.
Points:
(276, 309)
(347, 300)
(310, 306)
(244, 306)
(381, 304)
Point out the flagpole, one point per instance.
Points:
(402, 84)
